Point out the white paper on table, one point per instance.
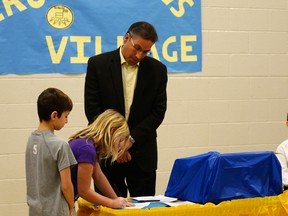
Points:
(144, 204)
(144, 201)
(158, 198)
(138, 205)
(178, 203)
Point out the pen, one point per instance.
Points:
(152, 200)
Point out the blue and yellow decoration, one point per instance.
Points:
(40, 36)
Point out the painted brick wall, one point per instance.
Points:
(237, 103)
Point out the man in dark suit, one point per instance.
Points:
(134, 84)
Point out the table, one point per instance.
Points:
(260, 206)
(215, 177)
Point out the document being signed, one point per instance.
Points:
(155, 201)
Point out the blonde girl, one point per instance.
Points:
(106, 137)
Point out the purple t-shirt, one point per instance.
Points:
(85, 152)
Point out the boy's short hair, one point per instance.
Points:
(50, 100)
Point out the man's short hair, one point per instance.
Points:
(143, 29)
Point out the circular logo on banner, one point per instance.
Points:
(60, 17)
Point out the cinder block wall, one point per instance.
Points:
(237, 103)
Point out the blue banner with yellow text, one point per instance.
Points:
(59, 36)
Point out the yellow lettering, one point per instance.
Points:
(1, 17)
(181, 11)
(56, 57)
(80, 40)
(98, 45)
(174, 57)
(36, 4)
(167, 1)
(155, 52)
(119, 41)
(173, 48)
(185, 48)
(9, 3)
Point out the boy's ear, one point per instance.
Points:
(287, 123)
(54, 115)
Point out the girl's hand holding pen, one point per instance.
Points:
(121, 202)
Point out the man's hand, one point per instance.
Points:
(125, 157)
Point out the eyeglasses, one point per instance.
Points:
(139, 49)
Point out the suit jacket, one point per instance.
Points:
(104, 90)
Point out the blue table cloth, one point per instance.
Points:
(214, 177)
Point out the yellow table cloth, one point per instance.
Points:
(262, 206)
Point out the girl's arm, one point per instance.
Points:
(85, 172)
(102, 182)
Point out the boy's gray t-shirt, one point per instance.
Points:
(46, 155)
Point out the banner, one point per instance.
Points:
(38, 36)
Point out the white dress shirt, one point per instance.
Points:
(129, 77)
(282, 155)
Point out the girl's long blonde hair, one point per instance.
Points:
(108, 126)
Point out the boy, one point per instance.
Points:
(282, 155)
(49, 158)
